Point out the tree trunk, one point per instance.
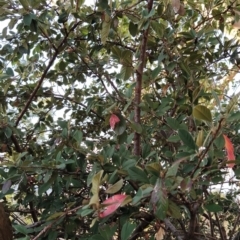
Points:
(5, 225)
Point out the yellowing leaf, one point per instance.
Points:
(230, 151)
(55, 215)
(96, 182)
(94, 200)
(200, 138)
(115, 187)
(202, 113)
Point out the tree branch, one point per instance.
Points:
(81, 104)
(147, 218)
(57, 51)
(172, 228)
(138, 88)
(33, 212)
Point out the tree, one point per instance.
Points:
(116, 119)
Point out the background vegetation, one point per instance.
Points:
(116, 120)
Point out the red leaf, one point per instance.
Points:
(230, 151)
(113, 120)
(112, 204)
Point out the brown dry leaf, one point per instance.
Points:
(181, 10)
(176, 5)
(236, 24)
(160, 233)
(164, 89)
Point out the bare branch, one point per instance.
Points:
(138, 88)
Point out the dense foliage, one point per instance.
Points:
(116, 120)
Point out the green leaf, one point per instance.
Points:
(159, 199)
(105, 28)
(172, 171)
(136, 127)
(44, 187)
(52, 235)
(154, 168)
(173, 123)
(8, 132)
(232, 103)
(187, 139)
(117, 52)
(158, 28)
(146, 150)
(96, 180)
(174, 138)
(133, 29)
(127, 230)
(25, 4)
(9, 72)
(174, 210)
(55, 215)
(125, 73)
(63, 17)
(96, 237)
(141, 194)
(34, 25)
(78, 135)
(47, 176)
(121, 126)
(129, 163)
(84, 212)
(21, 229)
(213, 207)
(234, 117)
(202, 113)
(27, 19)
(108, 231)
(138, 174)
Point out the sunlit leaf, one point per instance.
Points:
(96, 182)
(115, 187)
(202, 113)
(230, 151)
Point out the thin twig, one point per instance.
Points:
(33, 212)
(81, 104)
(46, 229)
(50, 41)
(147, 218)
(138, 87)
(172, 228)
(234, 227)
(203, 153)
(52, 60)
